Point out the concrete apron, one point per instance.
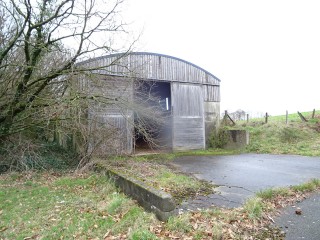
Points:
(239, 177)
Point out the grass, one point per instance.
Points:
(55, 205)
(272, 193)
(42, 205)
(160, 176)
(309, 186)
(292, 117)
(143, 234)
(168, 157)
(69, 207)
(179, 223)
(279, 138)
(254, 207)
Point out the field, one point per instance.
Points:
(69, 204)
(277, 137)
(292, 117)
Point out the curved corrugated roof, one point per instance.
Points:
(157, 67)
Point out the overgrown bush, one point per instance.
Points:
(219, 139)
(19, 153)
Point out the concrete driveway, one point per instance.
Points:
(240, 176)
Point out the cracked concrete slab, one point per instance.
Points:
(239, 177)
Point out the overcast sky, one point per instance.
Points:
(266, 53)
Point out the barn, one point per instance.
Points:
(190, 97)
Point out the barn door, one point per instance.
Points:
(188, 122)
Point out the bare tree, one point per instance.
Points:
(238, 115)
(40, 44)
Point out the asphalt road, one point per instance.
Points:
(305, 226)
(239, 177)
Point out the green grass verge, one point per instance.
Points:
(280, 138)
(88, 206)
(81, 207)
(260, 203)
(292, 117)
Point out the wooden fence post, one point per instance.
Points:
(302, 117)
(247, 117)
(287, 117)
(226, 115)
(267, 117)
(313, 113)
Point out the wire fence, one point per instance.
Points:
(242, 117)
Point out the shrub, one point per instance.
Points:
(219, 139)
(19, 153)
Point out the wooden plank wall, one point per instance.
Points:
(188, 117)
(112, 113)
(191, 86)
(161, 68)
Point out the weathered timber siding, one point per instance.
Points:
(150, 66)
(188, 121)
(112, 111)
(195, 98)
(111, 134)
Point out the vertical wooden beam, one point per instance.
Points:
(267, 116)
(287, 117)
(313, 113)
(247, 117)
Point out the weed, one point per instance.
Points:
(271, 193)
(116, 203)
(316, 182)
(217, 231)
(284, 192)
(143, 234)
(134, 218)
(171, 179)
(179, 223)
(219, 139)
(309, 186)
(211, 212)
(254, 207)
(198, 235)
(266, 194)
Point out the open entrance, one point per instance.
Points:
(153, 123)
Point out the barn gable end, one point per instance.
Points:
(194, 97)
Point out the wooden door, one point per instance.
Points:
(188, 121)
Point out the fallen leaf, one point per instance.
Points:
(298, 211)
(33, 237)
(106, 235)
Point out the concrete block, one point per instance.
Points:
(151, 199)
(237, 139)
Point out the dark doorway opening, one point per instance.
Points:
(151, 133)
